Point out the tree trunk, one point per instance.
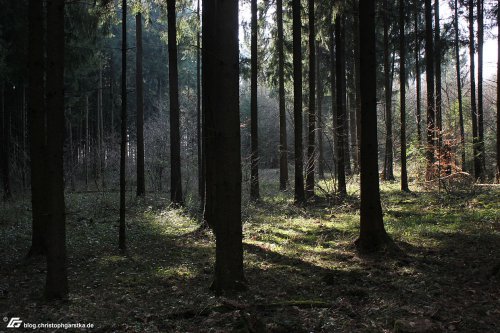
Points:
(141, 187)
(319, 122)
(340, 73)
(473, 108)
(333, 87)
(402, 82)
(429, 73)
(480, 109)
(87, 142)
(201, 164)
(437, 66)
(357, 77)
(372, 234)
(5, 148)
(311, 135)
(388, 173)
(123, 145)
(417, 73)
(459, 88)
(221, 107)
(297, 102)
(37, 130)
(175, 136)
(281, 77)
(254, 124)
(56, 286)
(498, 96)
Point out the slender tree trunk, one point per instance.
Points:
(429, 73)
(472, 52)
(498, 96)
(201, 168)
(37, 131)
(417, 73)
(141, 187)
(254, 124)
(319, 121)
(333, 88)
(123, 146)
(56, 286)
(297, 102)
(311, 135)
(372, 234)
(402, 89)
(480, 109)
(281, 78)
(340, 73)
(221, 107)
(353, 151)
(175, 136)
(357, 77)
(459, 88)
(101, 130)
(437, 66)
(87, 142)
(388, 173)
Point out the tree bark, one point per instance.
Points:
(429, 73)
(480, 109)
(175, 136)
(417, 73)
(254, 125)
(341, 122)
(372, 234)
(141, 187)
(472, 51)
(282, 112)
(311, 135)
(123, 146)
(319, 122)
(459, 88)
(498, 96)
(333, 88)
(221, 108)
(5, 148)
(402, 89)
(437, 66)
(201, 164)
(297, 102)
(56, 286)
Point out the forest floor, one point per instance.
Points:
(303, 272)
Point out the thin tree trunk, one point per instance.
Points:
(87, 142)
(417, 73)
(175, 136)
(311, 135)
(221, 110)
(372, 234)
(475, 143)
(498, 95)
(333, 88)
(319, 121)
(297, 102)
(402, 82)
(340, 73)
(480, 109)
(357, 77)
(281, 78)
(201, 164)
(56, 286)
(254, 124)
(429, 55)
(141, 187)
(101, 130)
(388, 173)
(437, 66)
(123, 146)
(459, 88)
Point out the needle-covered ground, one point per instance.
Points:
(304, 275)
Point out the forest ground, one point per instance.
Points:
(303, 272)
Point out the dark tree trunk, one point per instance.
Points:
(388, 173)
(37, 130)
(498, 96)
(123, 145)
(254, 125)
(201, 164)
(281, 77)
(429, 73)
(357, 77)
(372, 234)
(437, 66)
(459, 88)
(5, 147)
(221, 107)
(319, 122)
(417, 73)
(56, 286)
(333, 88)
(175, 136)
(402, 82)
(473, 105)
(341, 122)
(141, 188)
(311, 135)
(297, 102)
(480, 109)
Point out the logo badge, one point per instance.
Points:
(15, 322)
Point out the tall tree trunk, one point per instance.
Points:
(319, 121)
(473, 108)
(388, 173)
(357, 78)
(352, 115)
(56, 286)
(459, 88)
(175, 136)
(101, 129)
(498, 95)
(201, 164)
(123, 146)
(340, 73)
(141, 187)
(437, 66)
(333, 88)
(87, 142)
(417, 73)
(402, 89)
(281, 78)
(37, 130)
(297, 102)
(311, 135)
(372, 235)
(480, 109)
(221, 107)
(254, 124)
(429, 74)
